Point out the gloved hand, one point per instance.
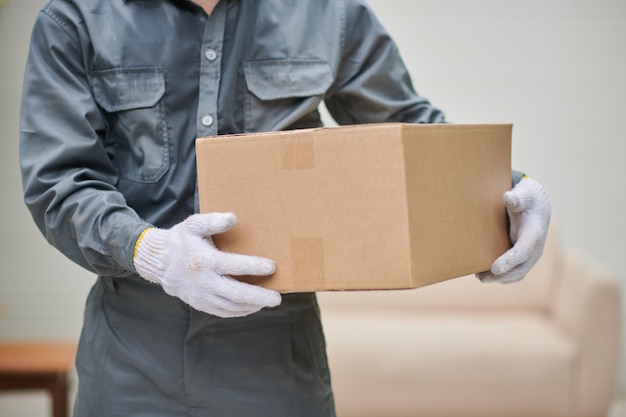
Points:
(529, 211)
(187, 264)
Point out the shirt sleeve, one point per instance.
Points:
(372, 83)
(68, 177)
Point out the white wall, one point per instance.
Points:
(556, 69)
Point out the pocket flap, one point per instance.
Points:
(276, 79)
(122, 89)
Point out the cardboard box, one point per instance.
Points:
(381, 206)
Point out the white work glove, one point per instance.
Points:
(187, 264)
(529, 210)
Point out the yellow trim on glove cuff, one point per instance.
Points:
(139, 241)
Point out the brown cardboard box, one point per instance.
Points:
(382, 206)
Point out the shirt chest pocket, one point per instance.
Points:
(281, 93)
(137, 133)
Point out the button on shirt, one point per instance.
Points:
(108, 122)
(210, 54)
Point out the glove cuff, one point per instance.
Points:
(139, 239)
(148, 256)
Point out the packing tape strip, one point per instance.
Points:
(298, 153)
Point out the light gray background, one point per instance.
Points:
(555, 69)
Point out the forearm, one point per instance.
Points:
(93, 228)
(69, 180)
(78, 209)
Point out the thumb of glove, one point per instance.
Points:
(529, 213)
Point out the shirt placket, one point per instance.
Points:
(210, 72)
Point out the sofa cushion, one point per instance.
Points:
(535, 291)
(510, 364)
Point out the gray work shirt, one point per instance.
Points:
(116, 91)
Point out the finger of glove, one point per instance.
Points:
(221, 306)
(517, 255)
(226, 313)
(209, 224)
(244, 294)
(517, 200)
(514, 275)
(224, 308)
(226, 263)
(526, 194)
(237, 299)
(226, 297)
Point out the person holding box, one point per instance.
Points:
(115, 93)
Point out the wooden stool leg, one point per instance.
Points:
(39, 365)
(60, 393)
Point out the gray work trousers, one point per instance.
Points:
(144, 353)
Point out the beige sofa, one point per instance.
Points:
(547, 346)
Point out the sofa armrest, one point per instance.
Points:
(587, 307)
